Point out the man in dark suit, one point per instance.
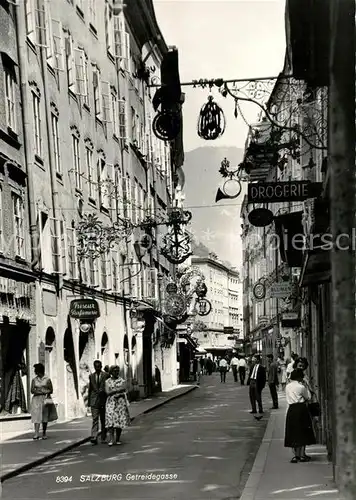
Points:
(257, 382)
(97, 400)
(273, 381)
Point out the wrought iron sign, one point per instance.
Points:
(286, 103)
(259, 290)
(232, 185)
(176, 243)
(275, 192)
(95, 239)
(203, 307)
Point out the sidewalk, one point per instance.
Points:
(21, 453)
(273, 476)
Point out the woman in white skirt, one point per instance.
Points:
(41, 388)
(117, 415)
(299, 429)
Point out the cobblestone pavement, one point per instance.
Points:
(201, 446)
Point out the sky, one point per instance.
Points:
(222, 39)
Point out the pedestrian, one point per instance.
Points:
(107, 369)
(209, 366)
(257, 382)
(298, 429)
(223, 370)
(117, 416)
(43, 409)
(291, 365)
(273, 381)
(242, 370)
(96, 401)
(195, 369)
(202, 365)
(282, 372)
(302, 364)
(234, 366)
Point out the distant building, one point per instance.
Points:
(223, 326)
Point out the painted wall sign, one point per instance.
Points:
(274, 192)
(84, 309)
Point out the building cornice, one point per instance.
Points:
(214, 263)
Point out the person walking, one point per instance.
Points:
(257, 382)
(273, 381)
(282, 372)
(223, 370)
(117, 416)
(209, 366)
(42, 407)
(96, 401)
(202, 365)
(242, 369)
(298, 428)
(234, 366)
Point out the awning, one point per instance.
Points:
(316, 269)
(192, 344)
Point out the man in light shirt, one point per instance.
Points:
(223, 369)
(234, 367)
(242, 369)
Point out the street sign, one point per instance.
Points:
(275, 192)
(290, 320)
(280, 290)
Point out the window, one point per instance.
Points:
(90, 170)
(81, 75)
(92, 271)
(36, 123)
(122, 42)
(134, 200)
(114, 271)
(37, 16)
(103, 272)
(86, 81)
(92, 13)
(105, 181)
(97, 93)
(127, 200)
(109, 29)
(76, 158)
(72, 254)
(55, 47)
(122, 119)
(55, 138)
(133, 125)
(19, 230)
(115, 114)
(10, 98)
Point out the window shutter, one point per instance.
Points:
(57, 52)
(70, 63)
(80, 80)
(63, 247)
(127, 57)
(40, 245)
(106, 100)
(30, 20)
(55, 245)
(41, 22)
(109, 30)
(114, 267)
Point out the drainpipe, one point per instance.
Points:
(341, 145)
(21, 37)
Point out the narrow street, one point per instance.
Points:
(206, 441)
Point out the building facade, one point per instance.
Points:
(90, 151)
(17, 288)
(223, 325)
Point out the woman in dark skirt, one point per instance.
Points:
(299, 429)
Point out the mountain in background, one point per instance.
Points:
(217, 225)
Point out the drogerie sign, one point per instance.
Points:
(274, 192)
(84, 309)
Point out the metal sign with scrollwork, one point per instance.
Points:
(203, 307)
(175, 305)
(259, 291)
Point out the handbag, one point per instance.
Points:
(50, 408)
(314, 409)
